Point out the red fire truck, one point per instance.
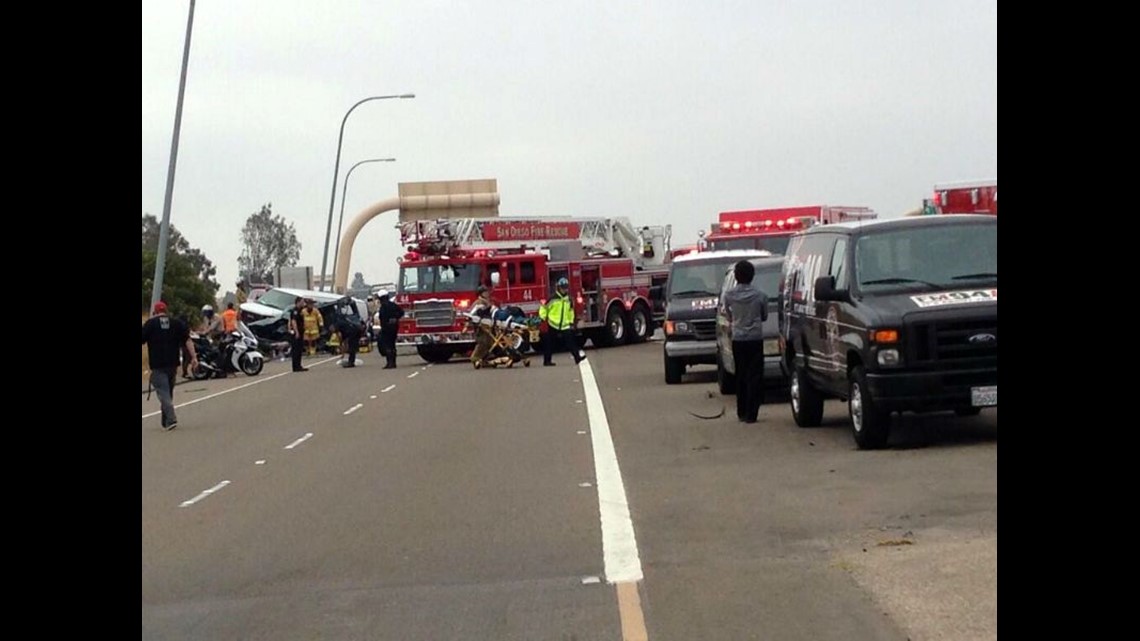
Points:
(974, 197)
(770, 229)
(611, 265)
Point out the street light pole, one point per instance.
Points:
(336, 170)
(164, 229)
(343, 190)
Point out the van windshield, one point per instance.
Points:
(767, 280)
(698, 278)
(936, 257)
(277, 298)
(774, 244)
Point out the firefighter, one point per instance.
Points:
(561, 324)
(483, 341)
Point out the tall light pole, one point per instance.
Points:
(336, 170)
(164, 229)
(343, 190)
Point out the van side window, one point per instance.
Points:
(838, 261)
(814, 260)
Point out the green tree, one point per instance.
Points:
(268, 242)
(178, 244)
(188, 278)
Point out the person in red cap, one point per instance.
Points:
(165, 338)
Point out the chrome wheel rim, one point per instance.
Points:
(795, 394)
(617, 328)
(856, 403)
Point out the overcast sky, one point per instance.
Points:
(661, 111)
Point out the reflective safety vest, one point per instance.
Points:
(558, 313)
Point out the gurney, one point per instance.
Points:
(505, 337)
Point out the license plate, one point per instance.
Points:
(983, 396)
(771, 347)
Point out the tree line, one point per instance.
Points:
(189, 277)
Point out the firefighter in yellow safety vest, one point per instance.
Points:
(558, 313)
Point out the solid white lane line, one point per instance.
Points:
(353, 408)
(215, 395)
(619, 546)
(204, 494)
(307, 436)
(388, 389)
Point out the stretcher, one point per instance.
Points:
(500, 340)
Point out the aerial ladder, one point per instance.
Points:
(598, 236)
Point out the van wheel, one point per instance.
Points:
(806, 400)
(639, 324)
(870, 425)
(674, 370)
(725, 381)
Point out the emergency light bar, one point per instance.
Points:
(780, 224)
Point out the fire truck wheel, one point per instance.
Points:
(616, 326)
(639, 324)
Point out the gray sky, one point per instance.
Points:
(662, 111)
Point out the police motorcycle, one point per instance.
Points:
(240, 354)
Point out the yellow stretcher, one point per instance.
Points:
(499, 343)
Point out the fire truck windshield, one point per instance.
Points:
(439, 278)
(927, 257)
(774, 244)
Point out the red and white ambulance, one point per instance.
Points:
(969, 197)
(770, 229)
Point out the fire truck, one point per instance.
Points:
(771, 229)
(974, 197)
(616, 273)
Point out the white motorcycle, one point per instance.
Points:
(241, 355)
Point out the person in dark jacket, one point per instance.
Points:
(389, 315)
(747, 310)
(350, 326)
(165, 338)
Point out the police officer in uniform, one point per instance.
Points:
(389, 314)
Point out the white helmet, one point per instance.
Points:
(207, 308)
(383, 293)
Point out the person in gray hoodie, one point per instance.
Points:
(747, 310)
